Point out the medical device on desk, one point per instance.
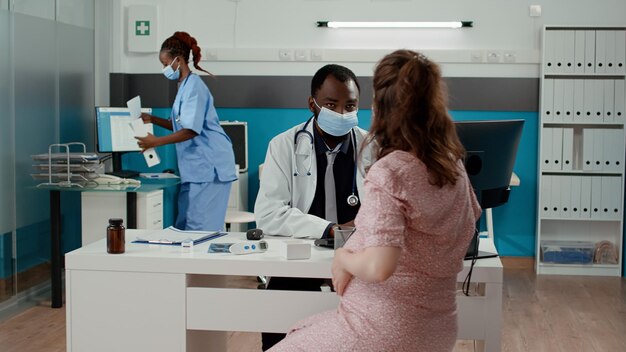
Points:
(247, 247)
(352, 200)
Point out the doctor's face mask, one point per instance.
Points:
(169, 72)
(334, 123)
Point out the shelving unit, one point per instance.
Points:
(582, 143)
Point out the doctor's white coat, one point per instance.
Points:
(284, 199)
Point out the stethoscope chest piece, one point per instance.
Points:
(353, 200)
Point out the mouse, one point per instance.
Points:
(169, 171)
(254, 234)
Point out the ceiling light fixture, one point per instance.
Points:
(338, 24)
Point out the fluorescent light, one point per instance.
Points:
(337, 24)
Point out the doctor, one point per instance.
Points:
(205, 154)
(313, 173)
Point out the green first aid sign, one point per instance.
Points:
(142, 27)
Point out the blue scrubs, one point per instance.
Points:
(206, 162)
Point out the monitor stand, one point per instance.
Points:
(117, 167)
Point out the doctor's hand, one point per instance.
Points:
(147, 142)
(147, 118)
(331, 232)
(341, 277)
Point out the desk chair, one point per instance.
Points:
(237, 217)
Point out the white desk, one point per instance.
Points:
(158, 298)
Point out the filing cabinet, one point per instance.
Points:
(98, 207)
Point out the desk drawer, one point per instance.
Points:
(224, 309)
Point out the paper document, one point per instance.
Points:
(174, 236)
(134, 105)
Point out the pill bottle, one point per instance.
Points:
(116, 241)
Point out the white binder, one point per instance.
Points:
(579, 53)
(606, 201)
(558, 100)
(569, 51)
(588, 100)
(620, 51)
(614, 149)
(549, 48)
(620, 101)
(598, 149)
(566, 196)
(559, 51)
(616, 204)
(579, 96)
(598, 101)
(588, 135)
(557, 148)
(568, 100)
(568, 148)
(546, 183)
(600, 51)
(590, 51)
(596, 197)
(609, 100)
(555, 196)
(546, 149)
(575, 187)
(585, 197)
(548, 99)
(610, 51)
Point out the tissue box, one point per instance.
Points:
(567, 252)
(295, 249)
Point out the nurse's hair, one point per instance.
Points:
(341, 73)
(181, 44)
(410, 113)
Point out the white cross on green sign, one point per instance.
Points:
(142, 27)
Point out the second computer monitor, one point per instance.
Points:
(491, 148)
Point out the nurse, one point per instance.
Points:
(205, 154)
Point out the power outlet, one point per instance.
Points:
(509, 57)
(285, 55)
(316, 55)
(301, 55)
(477, 56)
(210, 54)
(493, 56)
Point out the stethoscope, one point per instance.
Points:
(352, 200)
(180, 101)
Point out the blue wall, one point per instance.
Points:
(514, 223)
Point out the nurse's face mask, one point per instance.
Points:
(169, 72)
(334, 123)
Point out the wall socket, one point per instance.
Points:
(301, 55)
(493, 56)
(477, 56)
(509, 57)
(285, 55)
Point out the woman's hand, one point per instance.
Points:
(341, 277)
(147, 142)
(147, 118)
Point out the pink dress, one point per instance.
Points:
(415, 308)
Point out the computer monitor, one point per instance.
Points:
(490, 151)
(114, 135)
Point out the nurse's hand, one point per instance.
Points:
(147, 142)
(147, 118)
(341, 277)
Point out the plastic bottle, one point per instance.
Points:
(116, 241)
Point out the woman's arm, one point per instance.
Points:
(373, 264)
(165, 123)
(151, 141)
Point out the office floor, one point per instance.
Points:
(545, 313)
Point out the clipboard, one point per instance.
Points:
(172, 236)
